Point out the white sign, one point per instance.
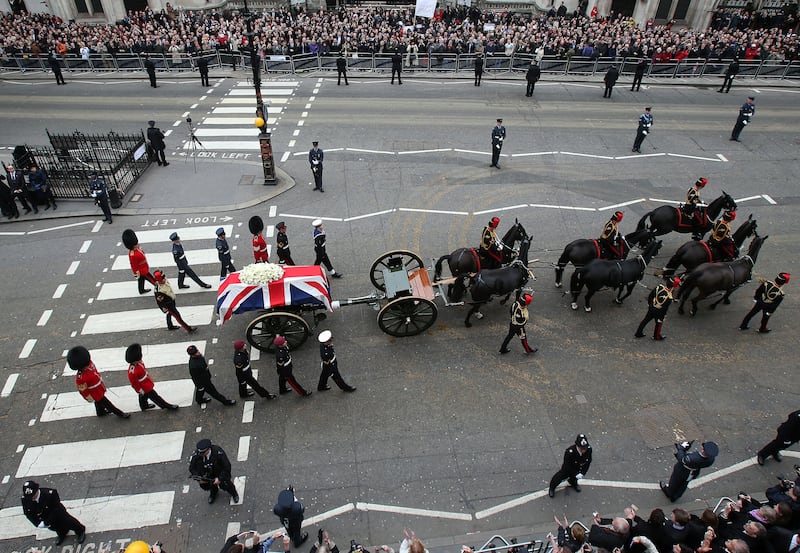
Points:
(425, 8)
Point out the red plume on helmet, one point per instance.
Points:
(528, 299)
(618, 215)
(673, 282)
(494, 222)
(701, 182)
(729, 215)
(159, 276)
(782, 279)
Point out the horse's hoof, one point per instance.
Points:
(574, 306)
(558, 285)
(479, 315)
(692, 313)
(618, 302)
(587, 309)
(726, 301)
(468, 325)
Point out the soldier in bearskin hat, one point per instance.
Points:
(89, 382)
(138, 260)
(256, 225)
(141, 382)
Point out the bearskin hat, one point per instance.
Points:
(256, 224)
(134, 353)
(78, 358)
(129, 238)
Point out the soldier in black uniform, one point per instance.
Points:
(244, 374)
(690, 206)
(478, 69)
(730, 74)
(645, 123)
(498, 136)
(98, 191)
(533, 75)
(315, 158)
(688, 467)
(610, 238)
(224, 254)
(150, 67)
(201, 376)
(519, 317)
(44, 509)
(658, 303)
(282, 241)
(183, 264)
(156, 138)
(290, 511)
(746, 113)
(577, 459)
(638, 75)
(330, 366)
(202, 66)
(320, 241)
(397, 66)
(721, 239)
(767, 298)
(55, 66)
(610, 79)
(283, 365)
(210, 466)
(341, 69)
(788, 434)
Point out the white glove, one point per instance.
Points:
(42, 525)
(644, 133)
(579, 476)
(744, 122)
(685, 445)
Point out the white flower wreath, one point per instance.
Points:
(261, 273)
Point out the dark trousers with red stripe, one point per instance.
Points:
(149, 278)
(171, 312)
(285, 378)
(104, 406)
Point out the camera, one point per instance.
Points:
(785, 484)
(188, 119)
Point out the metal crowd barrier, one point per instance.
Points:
(497, 64)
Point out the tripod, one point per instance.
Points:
(195, 142)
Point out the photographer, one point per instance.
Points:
(325, 544)
(786, 492)
(98, 191)
(290, 511)
(248, 542)
(688, 467)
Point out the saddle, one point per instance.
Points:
(697, 219)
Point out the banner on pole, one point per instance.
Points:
(425, 8)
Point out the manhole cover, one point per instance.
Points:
(136, 197)
(663, 425)
(247, 179)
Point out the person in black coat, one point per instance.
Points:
(244, 374)
(98, 190)
(55, 66)
(156, 138)
(397, 66)
(211, 468)
(201, 376)
(19, 191)
(658, 302)
(330, 366)
(341, 69)
(43, 507)
(202, 66)
(612, 75)
(290, 511)
(688, 467)
(577, 459)
(767, 298)
(478, 69)
(730, 74)
(638, 75)
(150, 67)
(532, 76)
(788, 434)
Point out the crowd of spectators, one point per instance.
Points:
(754, 35)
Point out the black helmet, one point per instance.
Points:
(581, 441)
(133, 353)
(256, 224)
(29, 487)
(78, 358)
(129, 238)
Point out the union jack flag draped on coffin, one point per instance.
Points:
(300, 285)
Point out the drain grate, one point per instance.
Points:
(247, 179)
(663, 425)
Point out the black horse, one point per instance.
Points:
(615, 274)
(465, 260)
(714, 277)
(493, 282)
(693, 253)
(667, 218)
(582, 251)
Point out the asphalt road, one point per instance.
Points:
(440, 421)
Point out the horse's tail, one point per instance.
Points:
(576, 280)
(643, 221)
(564, 259)
(438, 270)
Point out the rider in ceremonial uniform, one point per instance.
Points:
(767, 298)
(490, 249)
(282, 241)
(692, 200)
(89, 382)
(283, 365)
(658, 303)
(519, 316)
(256, 225)
(721, 237)
(610, 239)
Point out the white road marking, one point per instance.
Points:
(12, 234)
(292, 143)
(85, 246)
(695, 157)
(316, 519)
(246, 121)
(425, 151)
(264, 92)
(108, 453)
(440, 211)
(500, 209)
(312, 217)
(638, 156)
(27, 348)
(534, 154)
(165, 259)
(207, 232)
(300, 123)
(517, 502)
(273, 209)
(100, 514)
(59, 291)
(61, 227)
(73, 267)
(304, 114)
(97, 226)
(471, 152)
(8, 387)
(154, 355)
(145, 319)
(237, 145)
(222, 110)
(586, 155)
(357, 217)
(369, 151)
(664, 201)
(255, 355)
(71, 405)
(769, 199)
(244, 448)
(623, 204)
(285, 156)
(722, 157)
(45, 317)
(296, 132)
(242, 100)
(247, 412)
(233, 528)
(747, 199)
(563, 207)
(411, 511)
(239, 482)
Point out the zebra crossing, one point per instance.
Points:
(229, 124)
(53, 461)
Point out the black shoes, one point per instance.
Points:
(235, 497)
(576, 487)
(205, 286)
(659, 338)
(81, 537)
(149, 406)
(173, 407)
(304, 535)
(337, 275)
(760, 460)
(183, 286)
(505, 350)
(307, 394)
(248, 393)
(212, 497)
(764, 330)
(281, 392)
(551, 493)
(203, 400)
(146, 290)
(777, 456)
(323, 388)
(229, 402)
(270, 396)
(349, 389)
(125, 416)
(192, 329)
(173, 327)
(638, 335)
(664, 489)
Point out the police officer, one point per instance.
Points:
(577, 459)
(43, 507)
(490, 248)
(89, 382)
(150, 67)
(256, 225)
(202, 66)
(244, 374)
(315, 157)
(746, 113)
(788, 434)
(478, 69)
(183, 264)
(688, 467)
(211, 468)
(141, 382)
(341, 69)
(645, 123)
(638, 75)
(165, 299)
(519, 317)
(98, 191)
(533, 75)
(610, 238)
(658, 303)
(284, 253)
(283, 365)
(721, 237)
(730, 74)
(290, 511)
(690, 207)
(224, 254)
(320, 240)
(610, 79)
(156, 138)
(330, 366)
(498, 136)
(397, 66)
(201, 376)
(767, 298)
